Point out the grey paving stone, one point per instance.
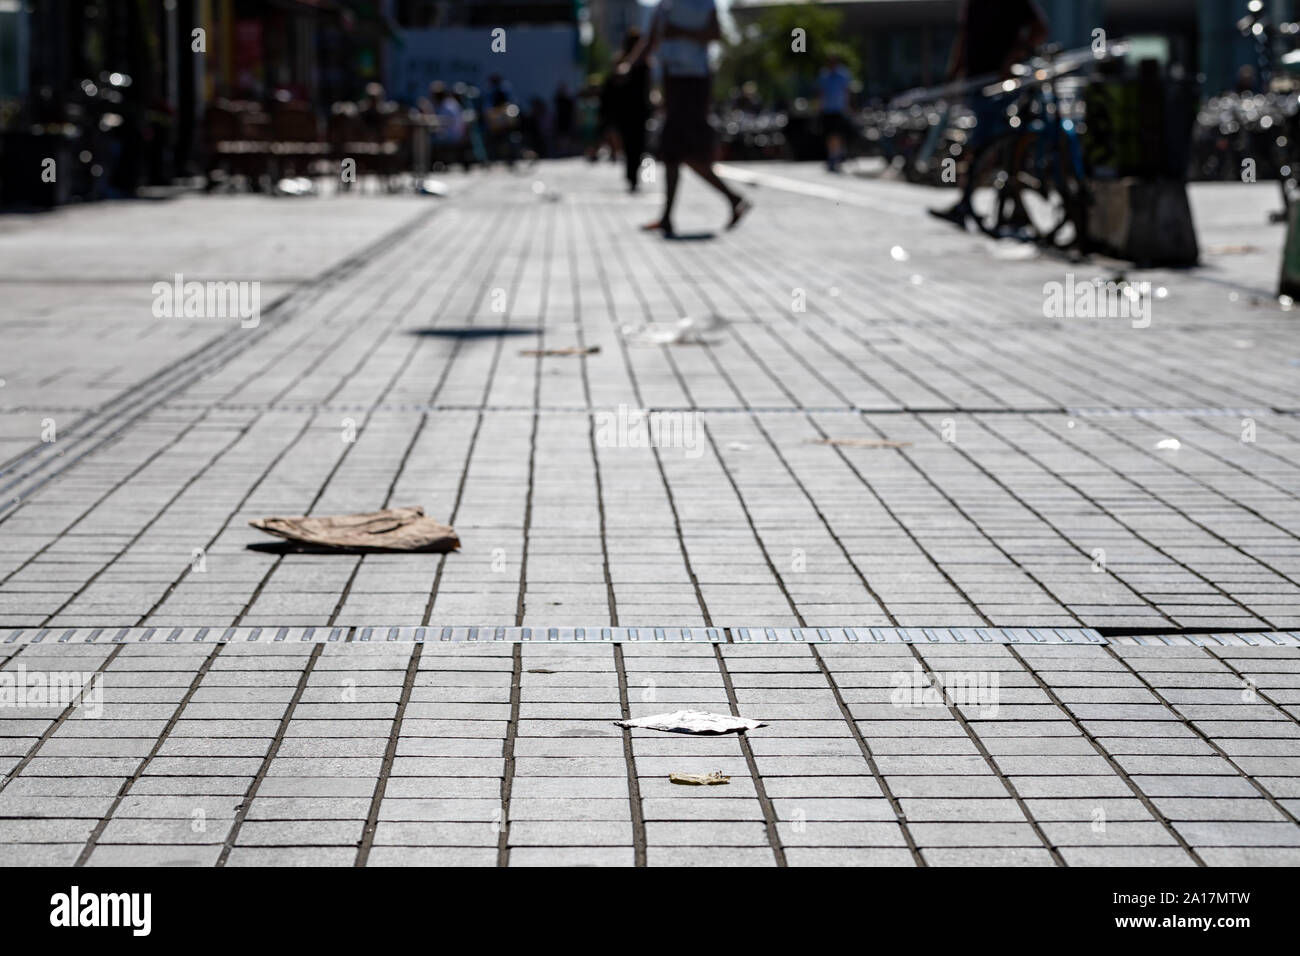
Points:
(1126, 856)
(983, 856)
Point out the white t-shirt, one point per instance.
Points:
(679, 55)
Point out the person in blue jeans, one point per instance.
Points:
(833, 83)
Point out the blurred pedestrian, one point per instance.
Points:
(564, 118)
(628, 105)
(993, 36)
(451, 118)
(833, 82)
(681, 31)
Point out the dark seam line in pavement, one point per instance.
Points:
(93, 840)
(8, 658)
(1115, 518)
(1119, 630)
(9, 777)
(508, 752)
(1186, 517)
(1192, 726)
(1211, 453)
(852, 723)
(821, 516)
(840, 452)
(434, 393)
(1143, 414)
(520, 602)
(482, 292)
(1250, 682)
(756, 421)
(165, 447)
(1105, 754)
(1257, 449)
(1046, 523)
(753, 529)
(783, 342)
(575, 290)
(740, 498)
(240, 434)
(355, 268)
(390, 754)
(357, 366)
(629, 760)
(769, 811)
(1107, 357)
(654, 450)
(387, 503)
(279, 558)
(604, 527)
(241, 813)
(321, 327)
(270, 466)
(1168, 462)
(109, 410)
(245, 430)
(183, 368)
(902, 526)
(952, 502)
(1002, 778)
(451, 519)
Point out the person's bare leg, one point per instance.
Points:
(739, 205)
(672, 172)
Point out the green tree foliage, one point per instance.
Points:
(763, 54)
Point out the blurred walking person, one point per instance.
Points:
(992, 37)
(681, 31)
(833, 83)
(628, 106)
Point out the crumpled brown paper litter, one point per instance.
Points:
(393, 529)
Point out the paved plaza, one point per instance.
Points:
(1006, 585)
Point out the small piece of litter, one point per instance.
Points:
(899, 254)
(692, 722)
(1169, 444)
(1009, 250)
(859, 443)
(737, 446)
(393, 529)
(567, 350)
(699, 779)
(685, 331)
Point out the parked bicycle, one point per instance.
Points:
(1030, 182)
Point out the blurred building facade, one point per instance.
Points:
(125, 84)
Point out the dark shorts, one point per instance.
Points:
(687, 133)
(836, 124)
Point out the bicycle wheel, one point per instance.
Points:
(1050, 191)
(993, 191)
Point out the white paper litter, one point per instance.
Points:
(685, 331)
(1169, 444)
(692, 722)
